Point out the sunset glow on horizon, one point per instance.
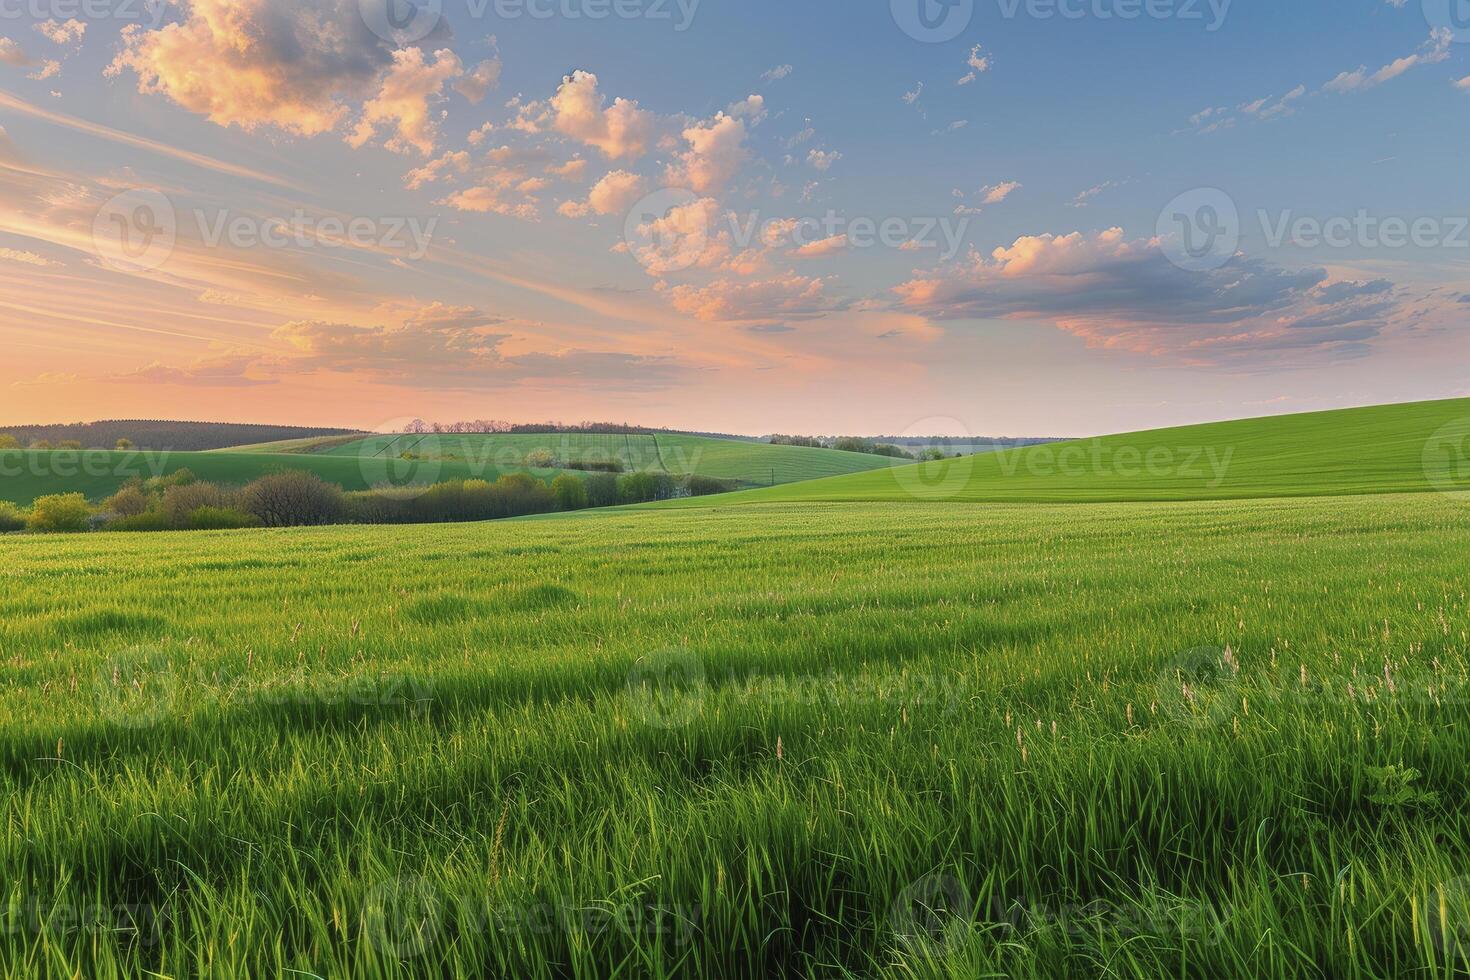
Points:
(818, 217)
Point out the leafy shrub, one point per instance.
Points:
(457, 500)
(570, 492)
(291, 498)
(182, 500)
(124, 444)
(151, 520)
(637, 488)
(9, 442)
(41, 444)
(12, 518)
(218, 519)
(129, 501)
(602, 490)
(60, 512)
(701, 486)
(522, 494)
(541, 459)
(386, 505)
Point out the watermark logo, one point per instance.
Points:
(1211, 13)
(1199, 231)
(1447, 921)
(406, 461)
(1200, 688)
(933, 914)
(937, 479)
(668, 230)
(149, 12)
(666, 689)
(1446, 459)
(1449, 15)
(136, 688)
(932, 21)
(402, 917)
(401, 22)
(135, 231)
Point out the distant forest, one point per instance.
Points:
(160, 435)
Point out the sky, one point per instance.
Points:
(959, 217)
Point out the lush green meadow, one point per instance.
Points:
(1383, 449)
(728, 459)
(1210, 739)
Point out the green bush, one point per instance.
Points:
(218, 519)
(541, 459)
(292, 498)
(638, 488)
(152, 520)
(9, 442)
(570, 492)
(129, 501)
(700, 486)
(60, 512)
(386, 505)
(602, 490)
(12, 518)
(182, 500)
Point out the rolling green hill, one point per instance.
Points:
(358, 464)
(28, 474)
(1383, 449)
(755, 463)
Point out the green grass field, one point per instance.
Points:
(870, 738)
(358, 464)
(746, 742)
(730, 459)
(1384, 449)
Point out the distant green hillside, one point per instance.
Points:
(25, 475)
(755, 463)
(157, 434)
(358, 464)
(1383, 449)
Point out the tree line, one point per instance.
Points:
(296, 498)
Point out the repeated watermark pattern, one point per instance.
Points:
(938, 21)
(1446, 459)
(405, 917)
(147, 12)
(1201, 230)
(143, 686)
(402, 22)
(138, 231)
(71, 463)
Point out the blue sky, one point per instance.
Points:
(521, 145)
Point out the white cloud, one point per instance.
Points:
(402, 104)
(776, 74)
(613, 194)
(999, 192)
(62, 32)
(26, 258)
(716, 153)
(978, 64)
(251, 63)
(823, 159)
(1431, 52)
(12, 53)
(620, 131)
